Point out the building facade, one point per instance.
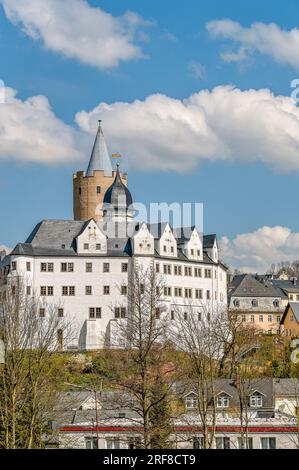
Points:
(257, 303)
(84, 267)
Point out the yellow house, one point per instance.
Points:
(290, 320)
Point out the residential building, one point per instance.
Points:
(259, 304)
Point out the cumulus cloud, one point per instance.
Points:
(256, 251)
(5, 249)
(76, 30)
(269, 39)
(224, 124)
(30, 131)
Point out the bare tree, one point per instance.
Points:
(144, 368)
(30, 341)
(196, 334)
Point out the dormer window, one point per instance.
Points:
(276, 303)
(256, 400)
(237, 303)
(198, 252)
(223, 401)
(191, 402)
(98, 247)
(254, 303)
(86, 246)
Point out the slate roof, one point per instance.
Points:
(209, 240)
(287, 286)
(58, 238)
(99, 159)
(263, 385)
(247, 285)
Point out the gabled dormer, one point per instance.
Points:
(166, 245)
(91, 240)
(143, 242)
(192, 247)
(210, 246)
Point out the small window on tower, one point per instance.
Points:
(79, 191)
(98, 189)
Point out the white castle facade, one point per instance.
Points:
(84, 269)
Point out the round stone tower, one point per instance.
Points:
(89, 188)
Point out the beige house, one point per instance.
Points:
(259, 304)
(290, 320)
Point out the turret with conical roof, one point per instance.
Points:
(99, 159)
(89, 188)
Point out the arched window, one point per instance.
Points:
(254, 303)
(237, 303)
(276, 303)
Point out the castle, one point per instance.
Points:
(84, 266)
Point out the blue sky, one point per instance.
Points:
(240, 195)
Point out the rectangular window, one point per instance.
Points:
(185, 316)
(65, 290)
(67, 267)
(178, 292)
(124, 290)
(43, 267)
(50, 290)
(188, 293)
(197, 272)
(208, 295)
(70, 267)
(172, 314)
(124, 267)
(86, 246)
(177, 270)
(28, 266)
(50, 267)
(167, 268)
(123, 312)
(106, 267)
(268, 443)
(98, 189)
(60, 312)
(106, 290)
(91, 443)
(270, 318)
(252, 318)
(208, 273)
(188, 271)
(28, 290)
(243, 318)
(88, 290)
(167, 291)
(158, 313)
(261, 318)
(222, 443)
(198, 293)
(43, 290)
(14, 265)
(247, 444)
(198, 443)
(157, 268)
(113, 443)
(42, 312)
(88, 267)
(72, 290)
(91, 312)
(98, 247)
(199, 316)
(98, 312)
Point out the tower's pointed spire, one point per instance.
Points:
(99, 159)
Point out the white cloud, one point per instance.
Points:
(4, 248)
(77, 30)
(197, 69)
(30, 131)
(224, 124)
(256, 251)
(268, 39)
